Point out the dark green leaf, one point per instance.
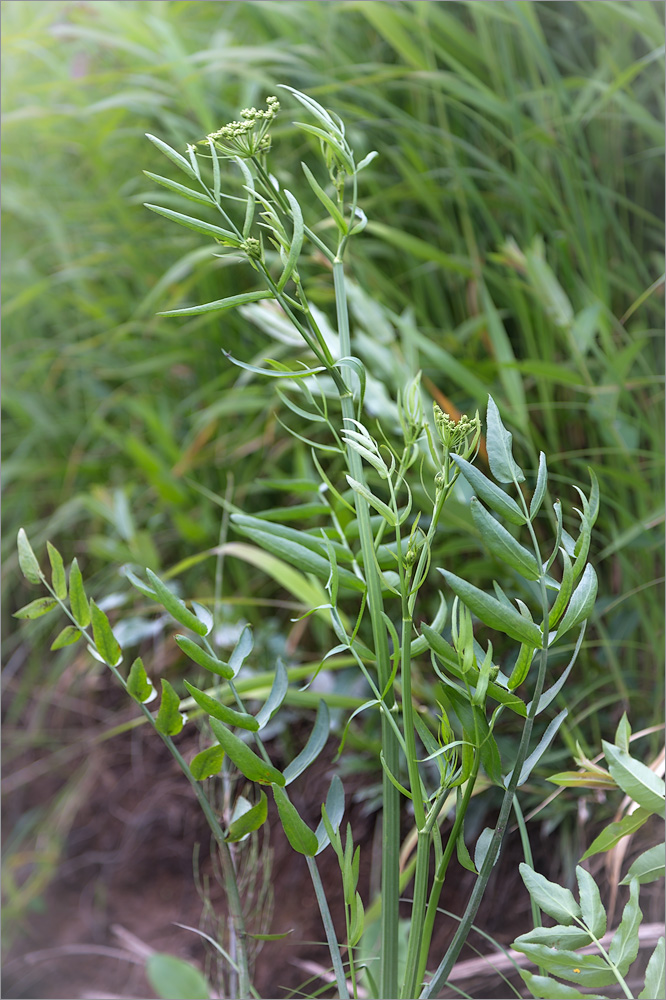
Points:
(198, 225)
(654, 974)
(27, 559)
(58, 578)
(648, 867)
(299, 834)
(276, 697)
(540, 488)
(559, 937)
(335, 808)
(626, 942)
(174, 979)
(207, 762)
(582, 601)
(36, 608)
(242, 649)
(549, 989)
(615, 832)
(175, 157)
(463, 854)
(594, 914)
(541, 747)
(105, 640)
(247, 762)
(564, 593)
(498, 446)
(584, 970)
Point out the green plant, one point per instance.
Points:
(554, 949)
(373, 558)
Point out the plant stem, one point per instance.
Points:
(391, 797)
(333, 946)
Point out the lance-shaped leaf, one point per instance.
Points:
(242, 649)
(540, 488)
(648, 867)
(138, 684)
(37, 608)
(204, 659)
(187, 192)
(207, 763)
(327, 202)
(175, 157)
(198, 225)
(174, 977)
(635, 779)
(276, 696)
(169, 720)
(594, 914)
(552, 898)
(222, 712)
(499, 448)
(314, 746)
(501, 544)
(582, 601)
(218, 305)
(174, 605)
(334, 808)
(564, 593)
(558, 937)
(247, 762)
(373, 500)
(58, 578)
(296, 241)
(300, 836)
(541, 748)
(654, 974)
(494, 613)
(492, 495)
(521, 667)
(449, 657)
(615, 832)
(247, 819)
(105, 640)
(624, 946)
(27, 559)
(78, 601)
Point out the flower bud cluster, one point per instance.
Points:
(458, 437)
(249, 136)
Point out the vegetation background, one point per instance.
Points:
(515, 246)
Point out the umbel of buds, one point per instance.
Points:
(458, 437)
(249, 136)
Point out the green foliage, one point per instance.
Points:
(174, 979)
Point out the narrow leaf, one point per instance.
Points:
(541, 747)
(78, 601)
(247, 762)
(626, 942)
(299, 834)
(296, 241)
(584, 970)
(187, 192)
(540, 488)
(314, 746)
(276, 697)
(654, 974)
(198, 225)
(242, 649)
(334, 808)
(175, 157)
(615, 832)
(374, 501)
(549, 989)
(27, 559)
(592, 909)
(327, 202)
(207, 763)
(219, 305)
(482, 846)
(58, 578)
(222, 712)
(582, 601)
(498, 446)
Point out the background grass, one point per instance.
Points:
(514, 247)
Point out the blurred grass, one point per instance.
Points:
(515, 246)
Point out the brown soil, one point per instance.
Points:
(126, 868)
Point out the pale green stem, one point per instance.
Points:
(391, 796)
(333, 946)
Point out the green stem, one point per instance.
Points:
(333, 946)
(391, 796)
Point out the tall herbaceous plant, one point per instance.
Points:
(370, 562)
